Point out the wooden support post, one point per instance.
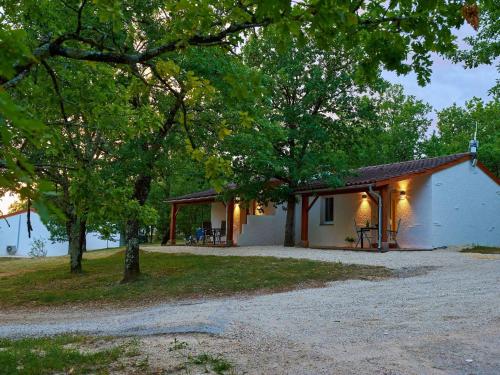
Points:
(230, 223)
(304, 221)
(384, 192)
(243, 217)
(312, 203)
(173, 216)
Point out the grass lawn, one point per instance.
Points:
(38, 282)
(69, 354)
(482, 250)
(72, 354)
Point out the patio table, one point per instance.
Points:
(364, 230)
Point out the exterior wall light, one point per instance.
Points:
(402, 194)
(364, 196)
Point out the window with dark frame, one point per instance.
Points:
(327, 210)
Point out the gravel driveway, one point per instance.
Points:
(442, 316)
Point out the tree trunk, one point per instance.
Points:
(166, 237)
(76, 235)
(290, 221)
(83, 234)
(132, 269)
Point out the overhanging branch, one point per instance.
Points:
(56, 48)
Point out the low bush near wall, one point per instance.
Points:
(482, 250)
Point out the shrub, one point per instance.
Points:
(38, 249)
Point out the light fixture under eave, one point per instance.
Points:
(402, 194)
(364, 196)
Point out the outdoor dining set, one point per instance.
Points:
(369, 234)
(206, 234)
(366, 234)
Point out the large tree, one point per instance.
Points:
(319, 117)
(190, 102)
(312, 97)
(86, 124)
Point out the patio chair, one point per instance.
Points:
(371, 237)
(222, 232)
(393, 234)
(359, 233)
(207, 230)
(189, 240)
(200, 235)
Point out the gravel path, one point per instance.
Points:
(444, 320)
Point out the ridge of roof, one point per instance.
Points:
(458, 155)
(381, 172)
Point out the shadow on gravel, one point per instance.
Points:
(405, 272)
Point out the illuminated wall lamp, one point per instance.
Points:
(364, 196)
(402, 194)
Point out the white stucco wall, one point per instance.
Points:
(415, 212)
(347, 209)
(9, 236)
(217, 214)
(266, 229)
(466, 207)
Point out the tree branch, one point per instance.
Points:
(53, 77)
(79, 17)
(55, 48)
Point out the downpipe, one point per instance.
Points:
(379, 198)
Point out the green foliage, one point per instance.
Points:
(38, 248)
(481, 250)
(394, 129)
(456, 126)
(317, 119)
(98, 96)
(484, 47)
(131, 35)
(310, 94)
(53, 355)
(217, 364)
(349, 239)
(177, 345)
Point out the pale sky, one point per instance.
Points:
(450, 83)
(5, 202)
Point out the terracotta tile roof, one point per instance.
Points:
(362, 176)
(16, 213)
(199, 195)
(378, 173)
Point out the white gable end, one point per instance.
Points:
(465, 207)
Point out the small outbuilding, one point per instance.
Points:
(15, 240)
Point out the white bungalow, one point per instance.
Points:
(15, 241)
(418, 204)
